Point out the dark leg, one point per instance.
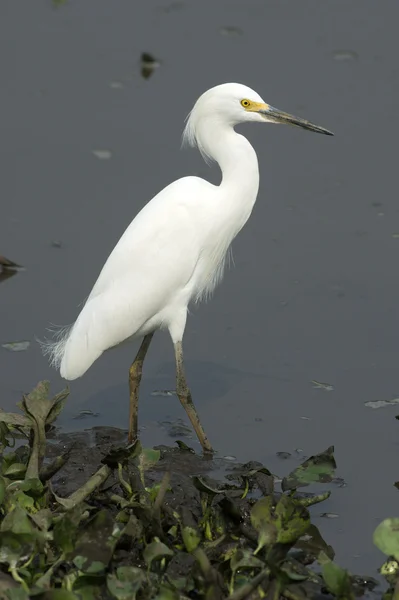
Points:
(184, 396)
(135, 373)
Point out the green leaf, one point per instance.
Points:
(313, 543)
(89, 587)
(96, 543)
(58, 402)
(285, 523)
(292, 521)
(15, 547)
(148, 458)
(16, 594)
(42, 519)
(386, 537)
(316, 469)
(244, 559)
(15, 419)
(191, 538)
(155, 551)
(2, 490)
(17, 521)
(38, 406)
(65, 533)
(15, 471)
(24, 501)
(121, 455)
(184, 448)
(59, 595)
(337, 580)
(32, 487)
(125, 583)
(204, 487)
(89, 592)
(166, 593)
(262, 519)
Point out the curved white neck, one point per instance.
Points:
(235, 156)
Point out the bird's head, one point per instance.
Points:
(234, 103)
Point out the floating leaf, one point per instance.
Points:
(316, 469)
(16, 346)
(125, 583)
(386, 537)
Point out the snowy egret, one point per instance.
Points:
(174, 250)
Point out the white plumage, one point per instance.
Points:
(174, 250)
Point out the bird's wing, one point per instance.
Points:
(161, 242)
(149, 267)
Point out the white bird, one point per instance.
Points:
(174, 250)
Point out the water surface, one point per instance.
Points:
(314, 292)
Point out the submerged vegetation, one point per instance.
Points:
(148, 523)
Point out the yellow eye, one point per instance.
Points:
(245, 103)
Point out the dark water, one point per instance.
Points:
(314, 293)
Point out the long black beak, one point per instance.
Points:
(278, 116)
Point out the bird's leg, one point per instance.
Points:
(186, 400)
(135, 373)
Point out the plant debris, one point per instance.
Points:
(148, 64)
(381, 403)
(16, 346)
(319, 385)
(5, 263)
(8, 268)
(85, 518)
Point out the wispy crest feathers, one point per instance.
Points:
(190, 137)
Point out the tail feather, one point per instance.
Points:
(70, 352)
(55, 348)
